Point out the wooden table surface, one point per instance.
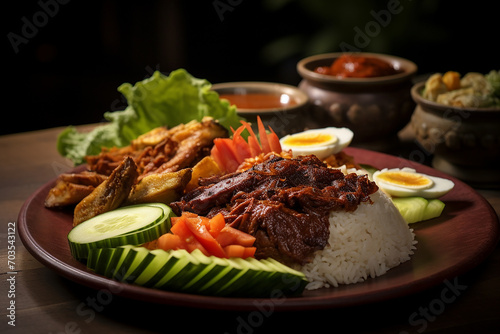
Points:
(48, 303)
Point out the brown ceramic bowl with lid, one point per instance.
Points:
(464, 142)
(374, 108)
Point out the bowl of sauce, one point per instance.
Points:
(280, 106)
(368, 93)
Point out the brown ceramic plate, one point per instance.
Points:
(462, 237)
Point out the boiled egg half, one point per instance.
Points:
(319, 142)
(405, 182)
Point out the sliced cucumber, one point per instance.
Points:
(134, 225)
(416, 209)
(178, 270)
(433, 209)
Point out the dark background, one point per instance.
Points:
(66, 71)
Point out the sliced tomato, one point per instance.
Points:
(204, 237)
(239, 251)
(249, 252)
(218, 158)
(226, 150)
(216, 224)
(234, 250)
(181, 229)
(231, 236)
(170, 241)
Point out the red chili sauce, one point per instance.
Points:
(350, 66)
(259, 101)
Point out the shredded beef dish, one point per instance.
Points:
(284, 203)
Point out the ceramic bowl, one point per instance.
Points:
(280, 106)
(375, 108)
(464, 142)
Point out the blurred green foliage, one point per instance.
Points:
(337, 23)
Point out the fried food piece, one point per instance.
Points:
(71, 188)
(106, 162)
(193, 142)
(150, 138)
(205, 168)
(163, 187)
(108, 195)
(452, 80)
(163, 150)
(434, 86)
(341, 159)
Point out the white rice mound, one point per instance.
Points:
(364, 243)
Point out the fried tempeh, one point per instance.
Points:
(71, 188)
(160, 187)
(110, 194)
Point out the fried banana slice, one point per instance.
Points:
(160, 187)
(71, 188)
(108, 195)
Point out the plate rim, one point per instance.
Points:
(126, 290)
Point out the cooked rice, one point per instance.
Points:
(364, 243)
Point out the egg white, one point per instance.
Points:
(344, 137)
(438, 188)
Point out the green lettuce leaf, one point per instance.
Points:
(156, 101)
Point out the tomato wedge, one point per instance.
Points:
(211, 236)
(171, 241)
(230, 236)
(239, 251)
(181, 229)
(226, 153)
(216, 224)
(204, 237)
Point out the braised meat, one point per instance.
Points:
(284, 203)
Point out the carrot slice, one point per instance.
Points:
(274, 141)
(253, 142)
(264, 142)
(241, 147)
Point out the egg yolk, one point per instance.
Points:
(405, 179)
(310, 139)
